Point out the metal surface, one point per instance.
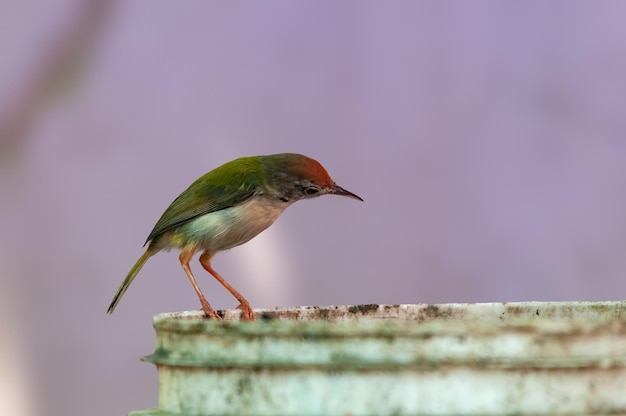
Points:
(457, 359)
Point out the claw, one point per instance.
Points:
(246, 311)
(209, 312)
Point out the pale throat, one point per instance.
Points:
(230, 227)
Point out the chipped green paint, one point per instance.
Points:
(514, 358)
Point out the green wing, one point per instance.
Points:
(223, 187)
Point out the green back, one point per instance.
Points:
(223, 187)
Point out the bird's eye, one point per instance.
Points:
(311, 191)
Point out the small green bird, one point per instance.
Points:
(229, 206)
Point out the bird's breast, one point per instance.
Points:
(230, 227)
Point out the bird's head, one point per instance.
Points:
(295, 177)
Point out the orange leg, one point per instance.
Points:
(185, 257)
(205, 260)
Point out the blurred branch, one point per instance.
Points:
(57, 64)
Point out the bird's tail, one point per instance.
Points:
(130, 277)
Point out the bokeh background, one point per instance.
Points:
(487, 138)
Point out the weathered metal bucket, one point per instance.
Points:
(457, 359)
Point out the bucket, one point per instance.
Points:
(452, 359)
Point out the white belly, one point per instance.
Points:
(230, 227)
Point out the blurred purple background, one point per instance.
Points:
(488, 140)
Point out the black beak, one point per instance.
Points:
(338, 190)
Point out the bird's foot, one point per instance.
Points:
(209, 312)
(246, 311)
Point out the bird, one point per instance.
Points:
(227, 207)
